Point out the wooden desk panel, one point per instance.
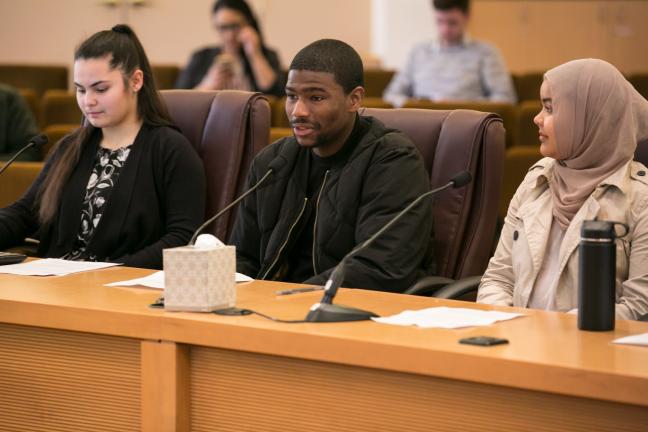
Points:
(232, 391)
(550, 370)
(54, 380)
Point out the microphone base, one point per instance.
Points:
(326, 312)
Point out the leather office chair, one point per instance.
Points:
(465, 219)
(527, 85)
(506, 111)
(37, 78)
(227, 128)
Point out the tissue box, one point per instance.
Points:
(199, 280)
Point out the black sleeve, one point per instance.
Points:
(195, 71)
(394, 260)
(183, 184)
(246, 235)
(20, 127)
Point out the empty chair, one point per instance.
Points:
(376, 81)
(517, 162)
(527, 131)
(37, 78)
(527, 85)
(227, 128)
(165, 75)
(29, 95)
(16, 180)
(59, 107)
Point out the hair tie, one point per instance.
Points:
(122, 29)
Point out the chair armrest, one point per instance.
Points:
(458, 289)
(429, 285)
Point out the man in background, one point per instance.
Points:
(453, 67)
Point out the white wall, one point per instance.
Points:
(396, 26)
(47, 31)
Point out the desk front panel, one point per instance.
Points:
(55, 380)
(237, 391)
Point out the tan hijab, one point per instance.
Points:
(598, 119)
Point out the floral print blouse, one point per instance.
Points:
(108, 165)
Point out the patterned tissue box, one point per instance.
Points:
(199, 280)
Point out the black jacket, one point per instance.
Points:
(157, 202)
(17, 125)
(203, 59)
(383, 174)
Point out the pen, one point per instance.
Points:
(299, 290)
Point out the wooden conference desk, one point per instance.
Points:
(75, 355)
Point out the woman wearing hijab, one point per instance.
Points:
(589, 126)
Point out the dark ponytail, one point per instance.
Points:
(125, 52)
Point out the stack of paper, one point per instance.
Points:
(52, 267)
(446, 317)
(640, 339)
(156, 280)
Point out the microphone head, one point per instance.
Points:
(277, 164)
(461, 179)
(39, 140)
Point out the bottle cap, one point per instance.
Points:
(593, 229)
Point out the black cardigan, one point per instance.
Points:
(157, 203)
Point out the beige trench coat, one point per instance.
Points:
(512, 271)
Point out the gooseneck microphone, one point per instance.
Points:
(274, 167)
(325, 310)
(37, 141)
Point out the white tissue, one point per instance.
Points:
(208, 241)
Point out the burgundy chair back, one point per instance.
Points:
(227, 128)
(465, 219)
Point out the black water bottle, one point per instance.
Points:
(597, 275)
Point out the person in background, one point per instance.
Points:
(589, 126)
(242, 62)
(454, 67)
(17, 125)
(116, 188)
(345, 177)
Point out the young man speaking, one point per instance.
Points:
(343, 177)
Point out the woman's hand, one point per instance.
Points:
(250, 40)
(218, 77)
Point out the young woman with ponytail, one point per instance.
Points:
(126, 184)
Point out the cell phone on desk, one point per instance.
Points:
(11, 258)
(483, 341)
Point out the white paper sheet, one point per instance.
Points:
(640, 339)
(156, 280)
(446, 317)
(52, 267)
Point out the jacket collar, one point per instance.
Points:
(541, 173)
(375, 130)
